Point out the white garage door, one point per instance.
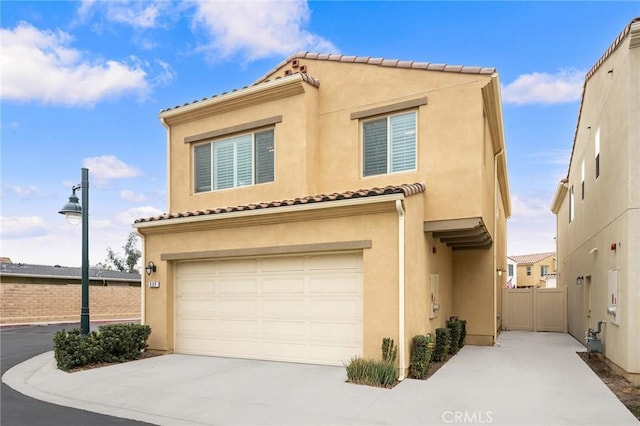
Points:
(294, 308)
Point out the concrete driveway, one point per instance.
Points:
(527, 379)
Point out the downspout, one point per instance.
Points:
(401, 319)
(496, 189)
(166, 126)
(143, 303)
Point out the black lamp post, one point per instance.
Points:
(76, 213)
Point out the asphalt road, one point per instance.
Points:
(19, 344)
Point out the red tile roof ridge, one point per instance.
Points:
(406, 189)
(396, 63)
(305, 77)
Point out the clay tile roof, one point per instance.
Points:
(616, 43)
(530, 259)
(305, 77)
(381, 62)
(406, 189)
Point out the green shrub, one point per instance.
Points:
(71, 350)
(389, 350)
(455, 328)
(123, 342)
(443, 340)
(464, 332)
(112, 343)
(420, 356)
(371, 372)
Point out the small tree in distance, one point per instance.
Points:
(128, 262)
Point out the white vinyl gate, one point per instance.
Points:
(534, 309)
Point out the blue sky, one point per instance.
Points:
(82, 84)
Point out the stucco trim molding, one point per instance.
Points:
(389, 108)
(268, 251)
(234, 129)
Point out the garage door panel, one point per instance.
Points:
(237, 266)
(280, 285)
(189, 307)
(291, 308)
(335, 308)
(336, 331)
(335, 284)
(195, 268)
(234, 286)
(197, 286)
(279, 330)
(237, 308)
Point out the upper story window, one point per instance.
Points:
(241, 160)
(572, 206)
(582, 180)
(544, 270)
(528, 271)
(597, 152)
(389, 144)
(510, 268)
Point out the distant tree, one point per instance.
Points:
(128, 262)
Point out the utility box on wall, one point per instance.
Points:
(612, 296)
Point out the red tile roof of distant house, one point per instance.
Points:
(530, 259)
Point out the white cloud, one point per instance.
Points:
(532, 226)
(22, 191)
(531, 208)
(107, 167)
(552, 156)
(132, 197)
(138, 14)
(40, 66)
(540, 87)
(258, 29)
(129, 216)
(22, 226)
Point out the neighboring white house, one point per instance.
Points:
(512, 273)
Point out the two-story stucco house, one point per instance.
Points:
(336, 201)
(533, 269)
(597, 205)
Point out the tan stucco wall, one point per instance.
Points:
(610, 211)
(379, 263)
(535, 279)
(318, 150)
(450, 139)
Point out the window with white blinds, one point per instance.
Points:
(389, 144)
(242, 160)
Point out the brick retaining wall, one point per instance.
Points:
(24, 303)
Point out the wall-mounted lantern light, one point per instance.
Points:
(579, 280)
(500, 271)
(150, 268)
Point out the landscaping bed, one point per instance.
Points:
(626, 392)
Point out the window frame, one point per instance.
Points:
(389, 142)
(596, 149)
(529, 271)
(544, 270)
(234, 140)
(582, 181)
(572, 205)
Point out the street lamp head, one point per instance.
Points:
(72, 209)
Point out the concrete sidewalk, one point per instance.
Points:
(527, 379)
